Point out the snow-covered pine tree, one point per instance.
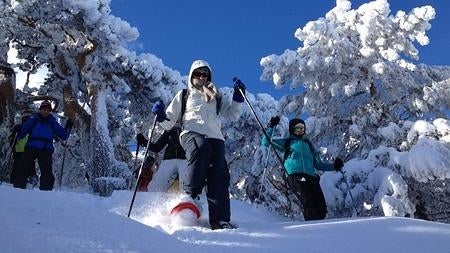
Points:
(361, 91)
(90, 71)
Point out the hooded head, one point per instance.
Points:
(295, 122)
(202, 66)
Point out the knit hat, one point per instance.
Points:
(45, 104)
(293, 123)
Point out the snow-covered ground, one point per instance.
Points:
(62, 221)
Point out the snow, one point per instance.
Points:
(60, 221)
(328, 65)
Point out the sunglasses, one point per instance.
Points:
(199, 73)
(301, 128)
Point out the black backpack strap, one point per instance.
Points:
(218, 104)
(184, 97)
(287, 148)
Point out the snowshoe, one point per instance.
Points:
(186, 206)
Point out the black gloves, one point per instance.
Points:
(159, 109)
(338, 164)
(69, 125)
(141, 140)
(238, 85)
(274, 121)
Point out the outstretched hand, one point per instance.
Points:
(338, 164)
(159, 110)
(274, 121)
(238, 87)
(141, 140)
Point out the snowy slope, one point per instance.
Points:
(59, 221)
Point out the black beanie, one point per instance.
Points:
(45, 104)
(294, 122)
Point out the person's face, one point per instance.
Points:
(299, 129)
(200, 77)
(45, 111)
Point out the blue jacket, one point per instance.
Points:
(303, 158)
(42, 131)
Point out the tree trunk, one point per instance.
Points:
(7, 95)
(107, 174)
(7, 113)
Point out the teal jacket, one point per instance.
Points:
(302, 158)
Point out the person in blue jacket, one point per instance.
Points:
(41, 128)
(301, 161)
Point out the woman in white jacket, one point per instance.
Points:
(202, 139)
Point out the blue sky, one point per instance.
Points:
(234, 35)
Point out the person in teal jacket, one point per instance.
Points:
(301, 161)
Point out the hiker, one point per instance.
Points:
(202, 139)
(18, 146)
(301, 161)
(41, 128)
(174, 160)
(148, 169)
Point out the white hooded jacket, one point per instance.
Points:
(201, 116)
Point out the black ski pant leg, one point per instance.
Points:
(218, 182)
(16, 159)
(307, 189)
(45, 162)
(319, 204)
(24, 163)
(198, 155)
(16, 166)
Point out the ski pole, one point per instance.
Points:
(237, 81)
(135, 162)
(264, 172)
(142, 165)
(349, 192)
(63, 158)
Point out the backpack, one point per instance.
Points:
(184, 97)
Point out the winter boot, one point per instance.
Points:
(222, 225)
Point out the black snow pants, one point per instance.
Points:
(26, 164)
(17, 156)
(307, 189)
(207, 166)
